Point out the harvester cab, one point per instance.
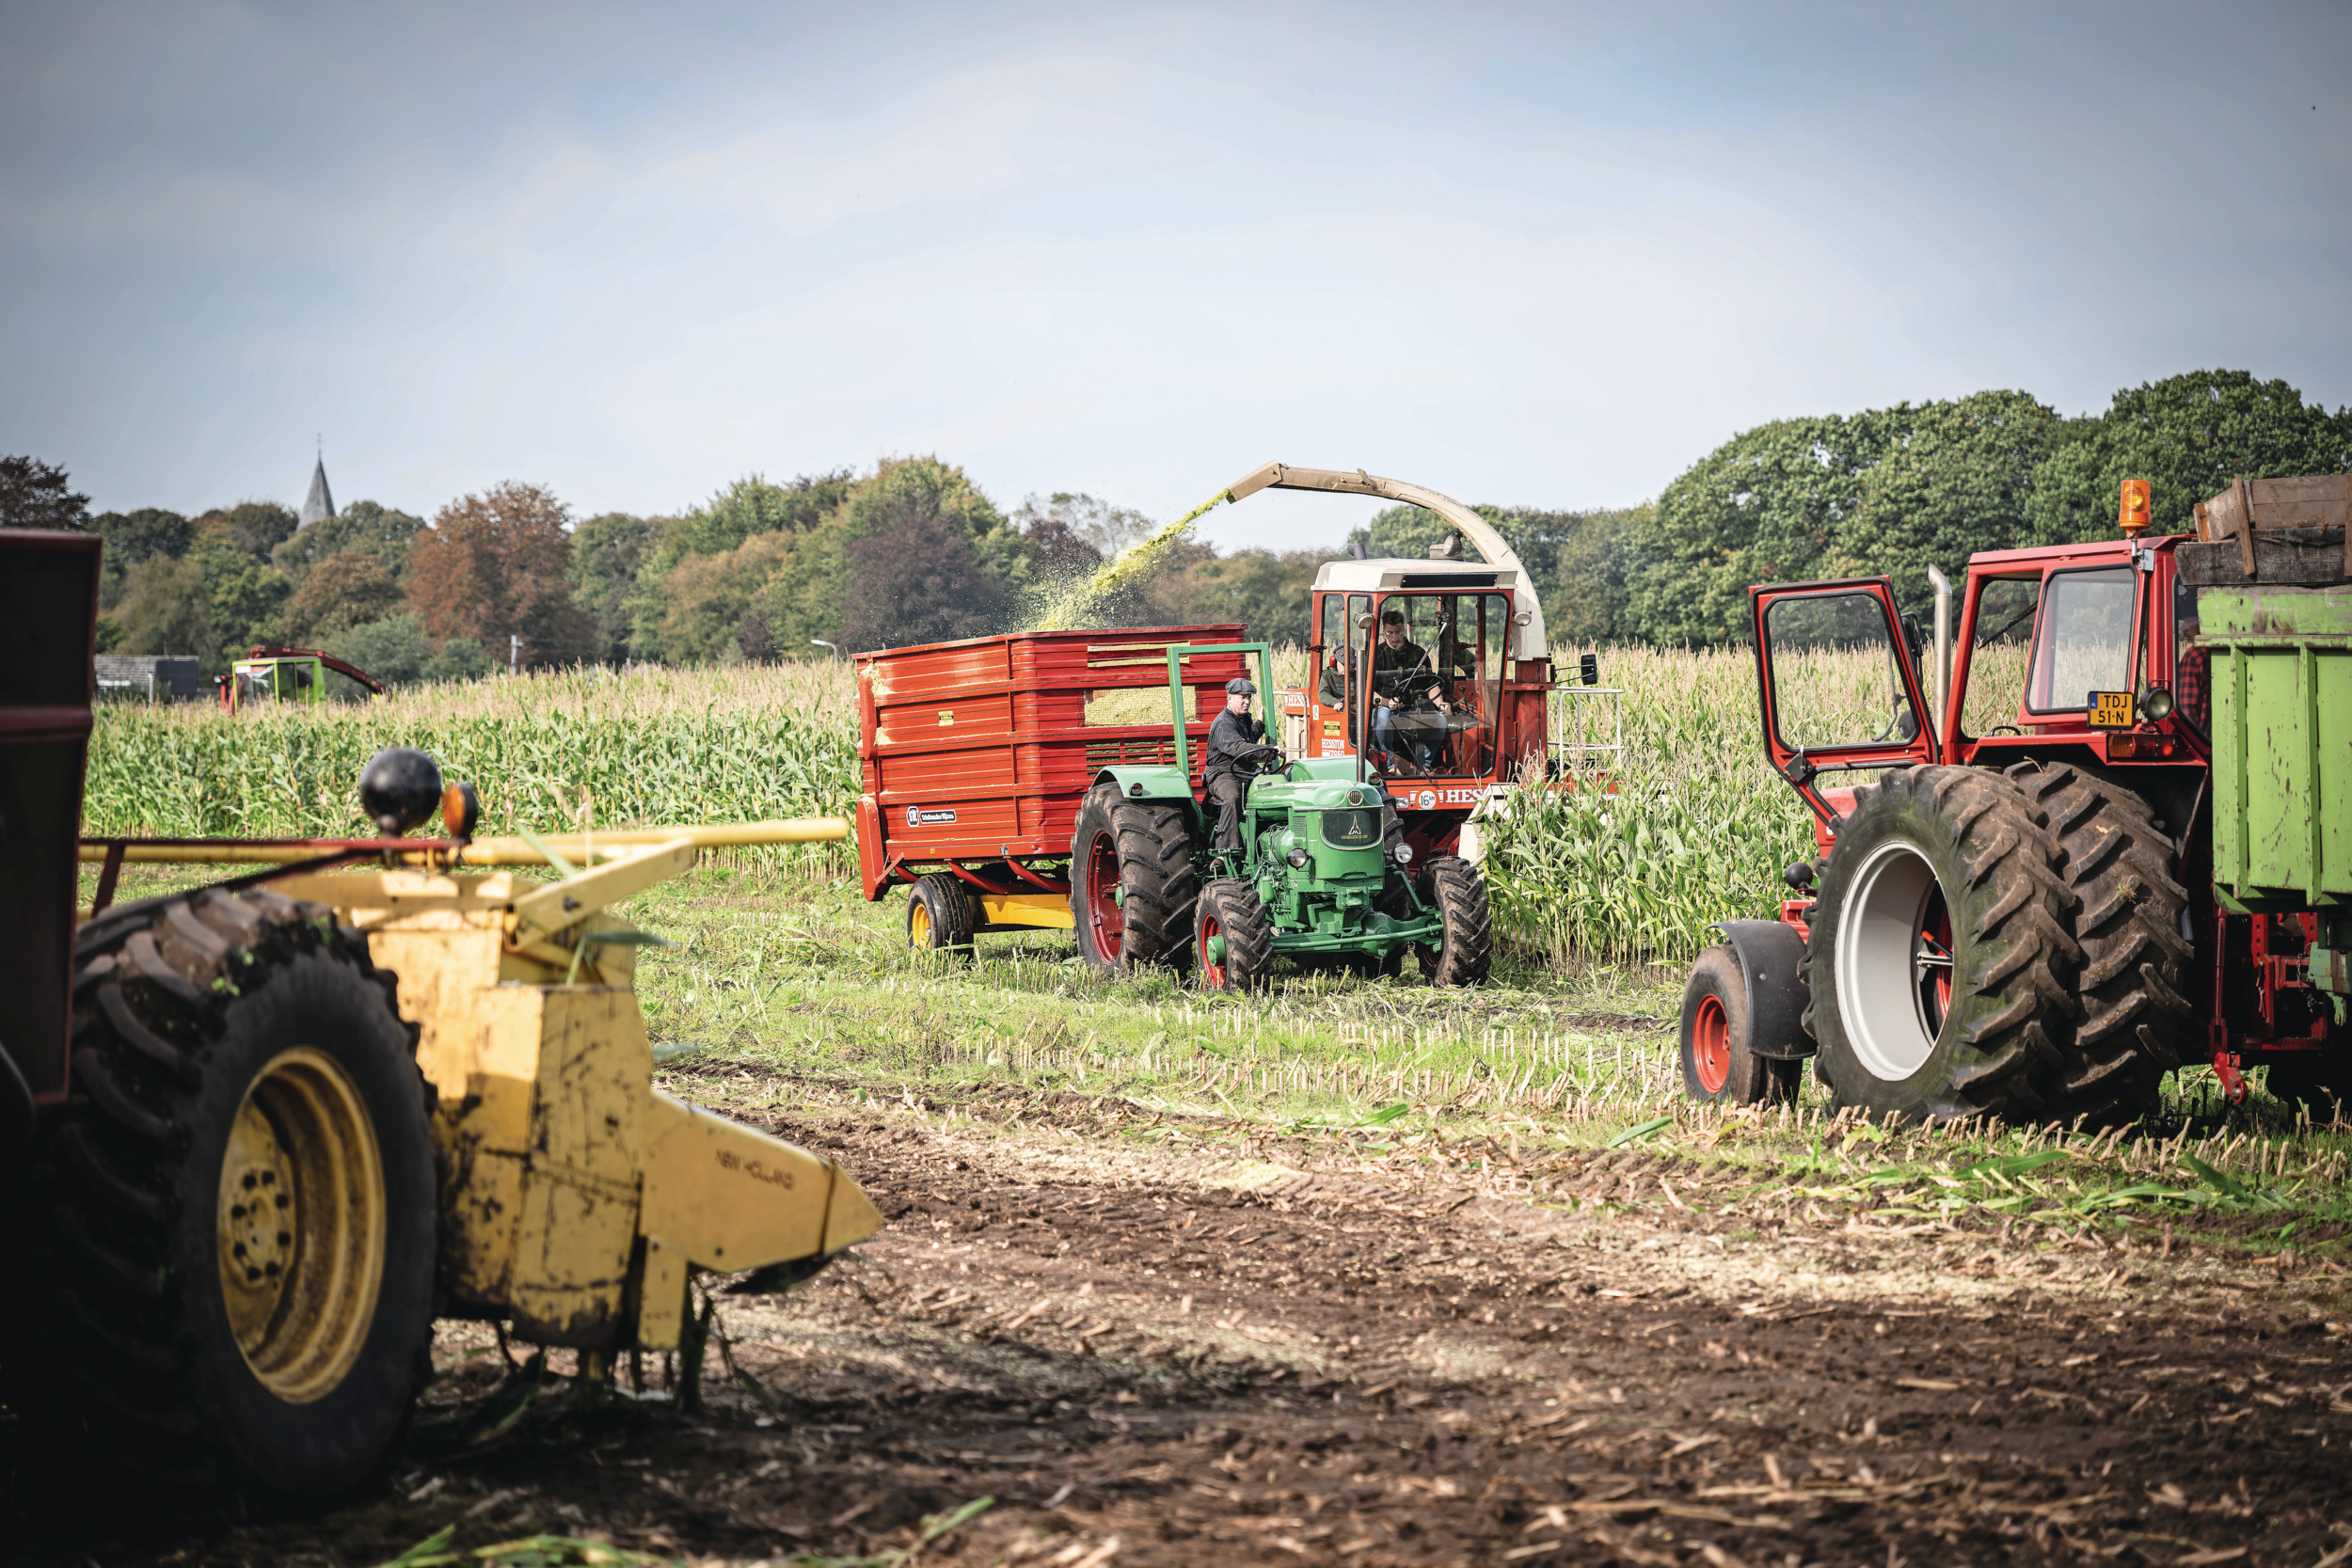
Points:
(1438, 670)
(2119, 848)
(276, 674)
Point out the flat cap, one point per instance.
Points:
(1239, 688)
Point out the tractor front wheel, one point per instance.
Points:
(1233, 941)
(241, 1200)
(1466, 945)
(1719, 1065)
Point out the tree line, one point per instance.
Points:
(913, 551)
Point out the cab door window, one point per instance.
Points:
(2082, 639)
(1838, 675)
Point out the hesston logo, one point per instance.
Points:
(918, 817)
(756, 1170)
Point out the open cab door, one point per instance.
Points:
(1838, 672)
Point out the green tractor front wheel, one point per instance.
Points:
(1466, 945)
(1233, 941)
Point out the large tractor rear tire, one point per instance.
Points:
(1132, 883)
(237, 1206)
(1466, 946)
(2127, 918)
(1232, 944)
(1940, 966)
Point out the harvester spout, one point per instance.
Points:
(1533, 641)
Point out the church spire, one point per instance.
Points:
(321, 505)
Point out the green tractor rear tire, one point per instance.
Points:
(1132, 883)
(239, 1201)
(1232, 939)
(1465, 948)
(1940, 966)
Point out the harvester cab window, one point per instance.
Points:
(2082, 639)
(1346, 634)
(1837, 673)
(1997, 648)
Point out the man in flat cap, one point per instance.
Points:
(1235, 741)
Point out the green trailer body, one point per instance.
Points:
(2281, 662)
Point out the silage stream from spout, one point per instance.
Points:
(1131, 566)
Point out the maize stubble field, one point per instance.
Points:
(1350, 1273)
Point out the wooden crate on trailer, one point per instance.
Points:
(976, 754)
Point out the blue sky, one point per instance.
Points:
(1535, 254)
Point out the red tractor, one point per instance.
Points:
(2125, 846)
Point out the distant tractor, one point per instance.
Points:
(1014, 782)
(274, 674)
(2125, 847)
(255, 1136)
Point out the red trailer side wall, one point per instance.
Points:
(979, 750)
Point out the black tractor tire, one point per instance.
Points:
(1969, 851)
(1229, 908)
(2127, 914)
(1719, 1065)
(246, 1101)
(1466, 946)
(941, 912)
(1149, 843)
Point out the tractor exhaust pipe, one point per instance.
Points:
(1943, 673)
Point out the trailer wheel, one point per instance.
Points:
(239, 1199)
(1940, 967)
(940, 914)
(1132, 883)
(1719, 1065)
(1466, 946)
(2127, 917)
(1232, 939)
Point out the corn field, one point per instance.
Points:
(1690, 826)
(719, 745)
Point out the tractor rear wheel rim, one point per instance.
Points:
(300, 1223)
(1710, 1045)
(1211, 966)
(919, 925)
(1881, 979)
(1108, 921)
(1932, 963)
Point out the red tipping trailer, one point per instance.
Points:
(976, 756)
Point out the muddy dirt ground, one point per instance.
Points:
(1152, 1358)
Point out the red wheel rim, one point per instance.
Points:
(1711, 1044)
(1935, 963)
(1105, 919)
(1212, 975)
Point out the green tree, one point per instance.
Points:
(1952, 478)
(458, 659)
(609, 553)
(34, 494)
(243, 598)
(165, 609)
(2192, 435)
(1270, 593)
(1103, 527)
(346, 589)
(707, 602)
(393, 648)
(256, 528)
(133, 537)
(384, 534)
(1593, 570)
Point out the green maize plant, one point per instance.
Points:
(724, 745)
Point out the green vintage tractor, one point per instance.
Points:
(1323, 876)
